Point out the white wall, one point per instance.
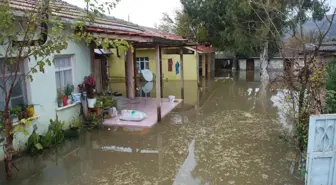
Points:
(276, 64)
(242, 64)
(256, 64)
(42, 91)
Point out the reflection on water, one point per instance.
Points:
(226, 132)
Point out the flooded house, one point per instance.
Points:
(161, 52)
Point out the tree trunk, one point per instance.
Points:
(8, 143)
(264, 63)
(264, 75)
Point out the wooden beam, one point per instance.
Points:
(93, 58)
(203, 65)
(158, 82)
(124, 37)
(135, 70)
(182, 72)
(161, 80)
(130, 74)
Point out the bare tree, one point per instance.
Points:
(303, 78)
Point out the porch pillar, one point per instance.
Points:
(197, 68)
(182, 73)
(93, 58)
(203, 65)
(135, 70)
(161, 80)
(158, 82)
(129, 74)
(209, 64)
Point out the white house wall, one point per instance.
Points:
(42, 91)
(256, 64)
(276, 64)
(242, 64)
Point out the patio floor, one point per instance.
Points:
(143, 104)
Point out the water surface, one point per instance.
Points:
(226, 132)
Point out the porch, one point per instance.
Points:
(144, 104)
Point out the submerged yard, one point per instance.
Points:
(227, 132)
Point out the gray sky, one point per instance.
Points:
(148, 12)
(142, 12)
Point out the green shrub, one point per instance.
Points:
(331, 76)
(331, 88)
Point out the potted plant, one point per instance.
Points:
(89, 84)
(15, 112)
(30, 110)
(60, 97)
(74, 128)
(68, 91)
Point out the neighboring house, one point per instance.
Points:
(80, 60)
(327, 53)
(145, 59)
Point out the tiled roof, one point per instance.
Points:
(102, 24)
(162, 34)
(205, 48)
(69, 11)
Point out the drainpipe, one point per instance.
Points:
(44, 28)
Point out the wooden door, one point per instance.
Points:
(250, 64)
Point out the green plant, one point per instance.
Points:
(15, 112)
(68, 90)
(330, 101)
(107, 101)
(331, 76)
(33, 145)
(76, 123)
(57, 131)
(75, 126)
(46, 140)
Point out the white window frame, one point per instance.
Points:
(72, 67)
(144, 61)
(23, 84)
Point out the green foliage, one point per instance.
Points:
(16, 111)
(68, 90)
(331, 101)
(106, 101)
(33, 144)
(331, 76)
(46, 140)
(331, 88)
(57, 131)
(182, 25)
(76, 125)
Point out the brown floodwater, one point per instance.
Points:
(226, 132)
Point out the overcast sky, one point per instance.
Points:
(142, 12)
(147, 12)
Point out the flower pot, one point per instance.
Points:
(60, 103)
(65, 101)
(92, 102)
(76, 97)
